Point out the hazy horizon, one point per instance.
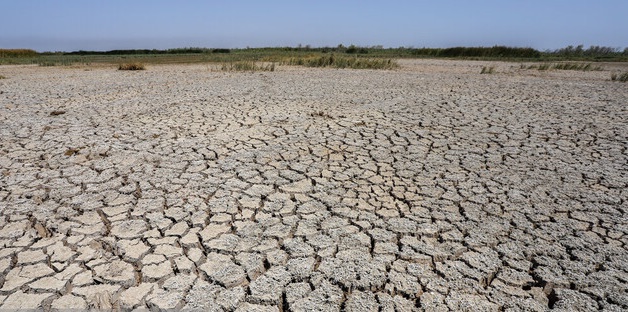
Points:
(74, 25)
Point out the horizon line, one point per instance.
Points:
(308, 46)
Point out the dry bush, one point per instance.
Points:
(132, 66)
(17, 53)
(487, 70)
(619, 77)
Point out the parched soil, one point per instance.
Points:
(431, 187)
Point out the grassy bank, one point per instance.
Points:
(307, 54)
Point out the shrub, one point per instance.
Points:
(132, 66)
(352, 49)
(487, 70)
(17, 53)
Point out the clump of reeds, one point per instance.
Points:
(343, 62)
(247, 66)
(544, 66)
(566, 66)
(619, 77)
(131, 66)
(576, 66)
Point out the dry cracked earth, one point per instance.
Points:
(428, 188)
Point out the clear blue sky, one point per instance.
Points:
(68, 25)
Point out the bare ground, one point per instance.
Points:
(430, 187)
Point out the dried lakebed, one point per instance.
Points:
(430, 187)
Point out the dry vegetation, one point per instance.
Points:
(487, 70)
(619, 77)
(132, 66)
(247, 66)
(564, 66)
(343, 62)
(17, 53)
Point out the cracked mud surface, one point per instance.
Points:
(431, 187)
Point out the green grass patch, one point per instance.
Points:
(132, 66)
(342, 62)
(57, 61)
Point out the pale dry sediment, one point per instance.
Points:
(430, 187)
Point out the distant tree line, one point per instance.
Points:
(492, 52)
(148, 52)
(594, 51)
